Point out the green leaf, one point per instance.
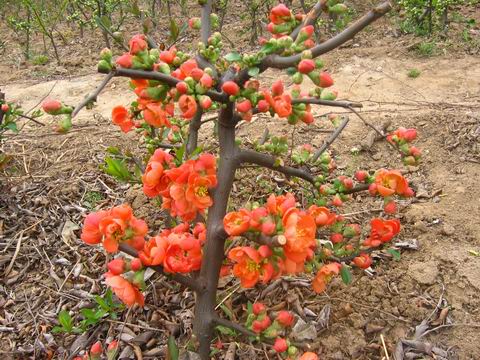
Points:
(173, 352)
(135, 10)
(113, 150)
(179, 154)
(346, 274)
(233, 56)
(227, 311)
(58, 329)
(254, 71)
(395, 253)
(225, 330)
(106, 21)
(117, 169)
(12, 126)
(174, 30)
(65, 320)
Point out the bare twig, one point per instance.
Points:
(333, 103)
(93, 96)
(254, 157)
(331, 139)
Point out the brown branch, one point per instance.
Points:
(315, 101)
(93, 96)
(193, 128)
(166, 79)
(272, 241)
(310, 19)
(254, 157)
(358, 188)
(205, 18)
(283, 62)
(331, 139)
(189, 282)
(31, 119)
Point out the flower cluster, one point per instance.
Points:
(402, 138)
(114, 226)
(184, 189)
(156, 100)
(178, 250)
(382, 231)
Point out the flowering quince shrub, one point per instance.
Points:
(209, 236)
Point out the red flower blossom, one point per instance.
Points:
(237, 222)
(121, 118)
(308, 356)
(285, 318)
(324, 275)
(300, 231)
(363, 261)
(230, 87)
(390, 182)
(322, 215)
(137, 44)
(125, 61)
(52, 107)
(382, 231)
(125, 290)
(258, 308)
(279, 14)
(154, 180)
(247, 265)
(188, 106)
(116, 266)
(280, 345)
(153, 252)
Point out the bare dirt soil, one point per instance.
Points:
(54, 180)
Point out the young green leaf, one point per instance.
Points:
(346, 274)
(174, 30)
(173, 352)
(253, 71)
(395, 253)
(233, 56)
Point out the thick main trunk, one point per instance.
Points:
(214, 249)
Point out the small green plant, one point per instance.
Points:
(92, 198)
(40, 60)
(413, 73)
(105, 307)
(426, 49)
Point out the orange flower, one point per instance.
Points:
(121, 117)
(154, 181)
(125, 290)
(300, 231)
(184, 254)
(363, 261)
(247, 265)
(197, 191)
(153, 252)
(324, 275)
(188, 106)
(278, 205)
(155, 115)
(283, 105)
(382, 231)
(322, 216)
(91, 233)
(309, 356)
(121, 226)
(236, 222)
(390, 182)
